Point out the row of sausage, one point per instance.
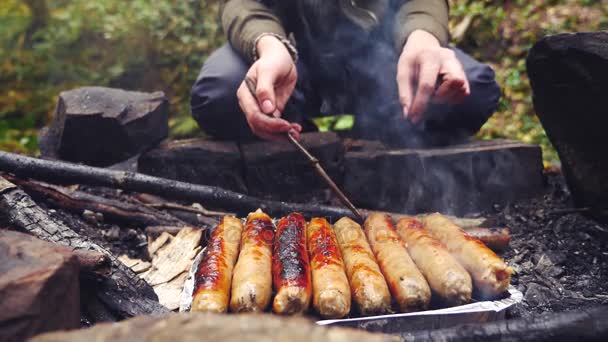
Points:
(379, 268)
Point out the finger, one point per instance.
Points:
(269, 124)
(258, 121)
(297, 127)
(427, 78)
(285, 88)
(247, 102)
(294, 133)
(265, 90)
(405, 78)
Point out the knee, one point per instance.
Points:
(485, 92)
(214, 91)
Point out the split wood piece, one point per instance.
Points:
(63, 172)
(123, 292)
(77, 201)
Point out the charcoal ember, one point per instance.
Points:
(103, 126)
(39, 287)
(537, 294)
(277, 170)
(214, 327)
(547, 267)
(571, 105)
(197, 161)
(457, 179)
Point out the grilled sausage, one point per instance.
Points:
(490, 274)
(496, 239)
(369, 289)
(252, 278)
(408, 286)
(447, 278)
(331, 292)
(214, 274)
(290, 266)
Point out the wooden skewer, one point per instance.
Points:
(314, 162)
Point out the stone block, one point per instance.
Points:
(277, 170)
(197, 161)
(103, 126)
(456, 180)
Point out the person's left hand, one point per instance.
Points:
(428, 72)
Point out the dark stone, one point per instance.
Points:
(39, 287)
(456, 180)
(277, 170)
(569, 77)
(103, 126)
(197, 161)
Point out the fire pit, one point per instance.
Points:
(557, 253)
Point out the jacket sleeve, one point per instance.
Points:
(244, 21)
(427, 15)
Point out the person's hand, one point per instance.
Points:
(275, 75)
(428, 72)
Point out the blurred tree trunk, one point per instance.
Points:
(40, 18)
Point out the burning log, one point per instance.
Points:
(121, 291)
(78, 201)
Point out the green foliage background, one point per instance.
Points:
(50, 46)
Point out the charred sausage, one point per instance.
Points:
(490, 274)
(331, 291)
(368, 287)
(447, 278)
(291, 267)
(214, 274)
(410, 290)
(252, 278)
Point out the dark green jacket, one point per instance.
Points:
(244, 20)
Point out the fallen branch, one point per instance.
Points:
(77, 201)
(210, 196)
(123, 292)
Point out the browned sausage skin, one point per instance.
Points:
(331, 291)
(214, 274)
(490, 274)
(447, 278)
(408, 286)
(368, 287)
(252, 276)
(291, 267)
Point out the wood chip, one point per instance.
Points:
(172, 258)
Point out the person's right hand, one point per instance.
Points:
(275, 75)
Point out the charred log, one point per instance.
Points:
(584, 325)
(122, 291)
(77, 201)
